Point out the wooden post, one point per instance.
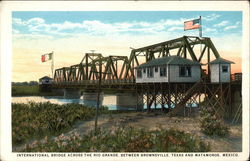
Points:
(162, 99)
(155, 96)
(98, 94)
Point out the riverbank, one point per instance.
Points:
(150, 122)
(29, 90)
(35, 120)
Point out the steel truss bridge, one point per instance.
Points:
(117, 73)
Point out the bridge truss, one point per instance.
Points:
(122, 67)
(117, 73)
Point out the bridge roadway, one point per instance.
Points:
(117, 84)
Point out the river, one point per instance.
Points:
(108, 101)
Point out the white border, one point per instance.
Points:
(6, 54)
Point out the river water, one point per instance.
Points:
(108, 101)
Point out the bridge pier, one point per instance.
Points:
(72, 93)
(90, 98)
(129, 100)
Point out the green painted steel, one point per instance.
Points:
(122, 67)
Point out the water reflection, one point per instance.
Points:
(108, 101)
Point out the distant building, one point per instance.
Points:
(45, 80)
(220, 70)
(45, 84)
(168, 69)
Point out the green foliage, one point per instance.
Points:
(36, 120)
(211, 124)
(24, 90)
(29, 90)
(123, 139)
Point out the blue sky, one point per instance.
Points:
(131, 22)
(71, 34)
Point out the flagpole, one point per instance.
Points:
(52, 64)
(200, 28)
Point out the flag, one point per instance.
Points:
(46, 57)
(193, 24)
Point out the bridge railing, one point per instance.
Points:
(236, 77)
(93, 82)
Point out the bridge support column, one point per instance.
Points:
(59, 92)
(90, 98)
(129, 100)
(72, 93)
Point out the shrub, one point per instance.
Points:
(123, 139)
(211, 124)
(36, 120)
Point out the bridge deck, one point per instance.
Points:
(121, 84)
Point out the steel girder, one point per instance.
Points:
(184, 45)
(88, 69)
(122, 67)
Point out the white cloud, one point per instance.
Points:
(144, 24)
(238, 23)
(19, 22)
(36, 20)
(221, 24)
(175, 28)
(211, 17)
(210, 30)
(230, 27)
(170, 22)
(32, 21)
(95, 27)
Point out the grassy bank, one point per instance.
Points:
(123, 139)
(41, 121)
(36, 120)
(29, 90)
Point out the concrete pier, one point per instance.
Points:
(90, 98)
(129, 100)
(72, 93)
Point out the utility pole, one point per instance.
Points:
(98, 94)
(52, 64)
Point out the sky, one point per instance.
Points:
(71, 34)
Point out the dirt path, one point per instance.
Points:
(151, 121)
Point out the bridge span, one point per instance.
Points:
(117, 73)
